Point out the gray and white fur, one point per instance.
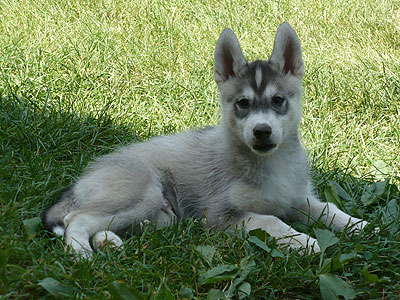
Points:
(251, 170)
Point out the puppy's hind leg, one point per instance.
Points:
(106, 237)
(80, 226)
(102, 220)
(78, 237)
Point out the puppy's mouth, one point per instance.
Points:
(263, 147)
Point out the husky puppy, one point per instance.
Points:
(249, 171)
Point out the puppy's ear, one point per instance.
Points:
(287, 51)
(228, 57)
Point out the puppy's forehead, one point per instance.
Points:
(260, 80)
(261, 76)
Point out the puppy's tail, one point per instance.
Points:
(53, 216)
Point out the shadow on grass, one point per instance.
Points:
(45, 148)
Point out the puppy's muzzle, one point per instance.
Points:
(262, 133)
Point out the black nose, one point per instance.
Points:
(262, 132)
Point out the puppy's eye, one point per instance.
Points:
(278, 101)
(243, 103)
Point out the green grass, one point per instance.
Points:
(80, 78)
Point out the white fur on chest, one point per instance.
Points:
(276, 195)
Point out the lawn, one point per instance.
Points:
(81, 78)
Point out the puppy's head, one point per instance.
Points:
(261, 100)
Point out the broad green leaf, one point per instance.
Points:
(391, 215)
(56, 288)
(347, 256)
(330, 265)
(368, 277)
(381, 170)
(219, 273)
(373, 192)
(165, 294)
(186, 293)
(277, 253)
(30, 226)
(332, 287)
(244, 290)
(336, 264)
(325, 238)
(120, 291)
(247, 265)
(340, 191)
(326, 266)
(215, 294)
(207, 252)
(256, 241)
(392, 210)
(257, 237)
(331, 195)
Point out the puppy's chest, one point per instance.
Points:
(273, 196)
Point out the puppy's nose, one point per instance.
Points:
(262, 132)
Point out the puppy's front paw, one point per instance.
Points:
(302, 241)
(356, 225)
(310, 245)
